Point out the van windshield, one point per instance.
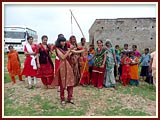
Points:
(14, 35)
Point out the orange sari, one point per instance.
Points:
(134, 70)
(13, 65)
(84, 69)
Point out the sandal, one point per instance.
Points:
(63, 103)
(71, 101)
(50, 87)
(45, 87)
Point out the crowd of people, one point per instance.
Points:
(77, 65)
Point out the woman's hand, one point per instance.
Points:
(102, 66)
(150, 68)
(38, 65)
(72, 48)
(20, 64)
(33, 53)
(116, 63)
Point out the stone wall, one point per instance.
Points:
(139, 31)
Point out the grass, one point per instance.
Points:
(145, 90)
(89, 100)
(46, 108)
(123, 112)
(38, 106)
(7, 78)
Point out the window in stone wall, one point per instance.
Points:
(135, 27)
(118, 38)
(102, 28)
(152, 26)
(151, 38)
(117, 27)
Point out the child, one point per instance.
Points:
(145, 61)
(126, 48)
(14, 65)
(134, 69)
(120, 67)
(30, 66)
(137, 53)
(126, 68)
(90, 63)
(118, 62)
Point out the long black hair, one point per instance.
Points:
(29, 37)
(70, 39)
(58, 43)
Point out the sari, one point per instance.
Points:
(75, 65)
(97, 71)
(64, 75)
(134, 71)
(126, 75)
(109, 79)
(46, 70)
(13, 65)
(84, 69)
(28, 68)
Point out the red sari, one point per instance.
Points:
(126, 75)
(28, 69)
(46, 70)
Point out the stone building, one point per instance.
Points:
(139, 31)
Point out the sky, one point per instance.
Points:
(53, 19)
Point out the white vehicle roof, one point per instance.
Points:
(18, 26)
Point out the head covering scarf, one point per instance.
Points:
(108, 40)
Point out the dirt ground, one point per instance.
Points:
(90, 100)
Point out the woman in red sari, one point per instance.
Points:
(126, 76)
(30, 66)
(44, 63)
(65, 76)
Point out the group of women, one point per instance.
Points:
(71, 64)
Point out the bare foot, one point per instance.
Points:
(29, 86)
(36, 86)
